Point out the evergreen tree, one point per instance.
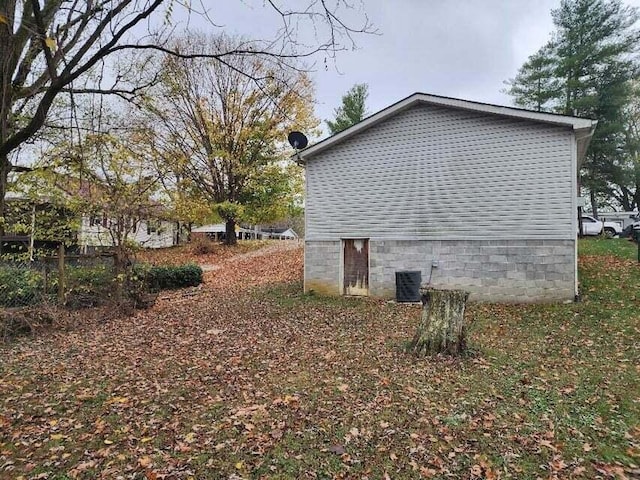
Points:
(627, 170)
(536, 86)
(352, 110)
(585, 70)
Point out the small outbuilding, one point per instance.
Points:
(218, 232)
(279, 233)
(473, 196)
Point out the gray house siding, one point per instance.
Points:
(489, 198)
(437, 173)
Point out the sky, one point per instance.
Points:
(459, 48)
(456, 48)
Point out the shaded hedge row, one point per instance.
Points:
(167, 277)
(23, 285)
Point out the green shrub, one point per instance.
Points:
(20, 286)
(93, 279)
(88, 286)
(169, 277)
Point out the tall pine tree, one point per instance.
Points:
(585, 70)
(627, 171)
(536, 86)
(352, 110)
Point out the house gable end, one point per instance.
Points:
(583, 126)
(438, 172)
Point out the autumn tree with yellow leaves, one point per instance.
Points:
(62, 50)
(222, 129)
(108, 176)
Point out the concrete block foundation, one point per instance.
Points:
(492, 270)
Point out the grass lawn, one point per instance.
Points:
(261, 381)
(617, 247)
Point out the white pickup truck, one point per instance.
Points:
(592, 226)
(632, 228)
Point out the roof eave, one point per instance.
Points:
(576, 123)
(583, 139)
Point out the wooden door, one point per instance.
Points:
(356, 266)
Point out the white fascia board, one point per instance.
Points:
(583, 139)
(211, 228)
(576, 123)
(552, 118)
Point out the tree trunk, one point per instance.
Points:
(594, 203)
(119, 265)
(230, 231)
(441, 328)
(4, 174)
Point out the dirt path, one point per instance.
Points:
(281, 246)
(276, 263)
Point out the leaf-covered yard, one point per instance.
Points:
(247, 377)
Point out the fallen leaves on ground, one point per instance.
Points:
(188, 253)
(246, 377)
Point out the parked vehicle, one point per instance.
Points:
(629, 231)
(592, 226)
(623, 218)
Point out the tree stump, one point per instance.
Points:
(441, 328)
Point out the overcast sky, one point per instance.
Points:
(457, 48)
(460, 48)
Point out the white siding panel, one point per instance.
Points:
(439, 173)
(98, 236)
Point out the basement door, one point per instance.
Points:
(356, 266)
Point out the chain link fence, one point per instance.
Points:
(32, 291)
(73, 280)
(24, 284)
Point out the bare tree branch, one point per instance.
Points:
(87, 32)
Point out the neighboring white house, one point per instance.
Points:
(151, 233)
(218, 231)
(279, 233)
(474, 196)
